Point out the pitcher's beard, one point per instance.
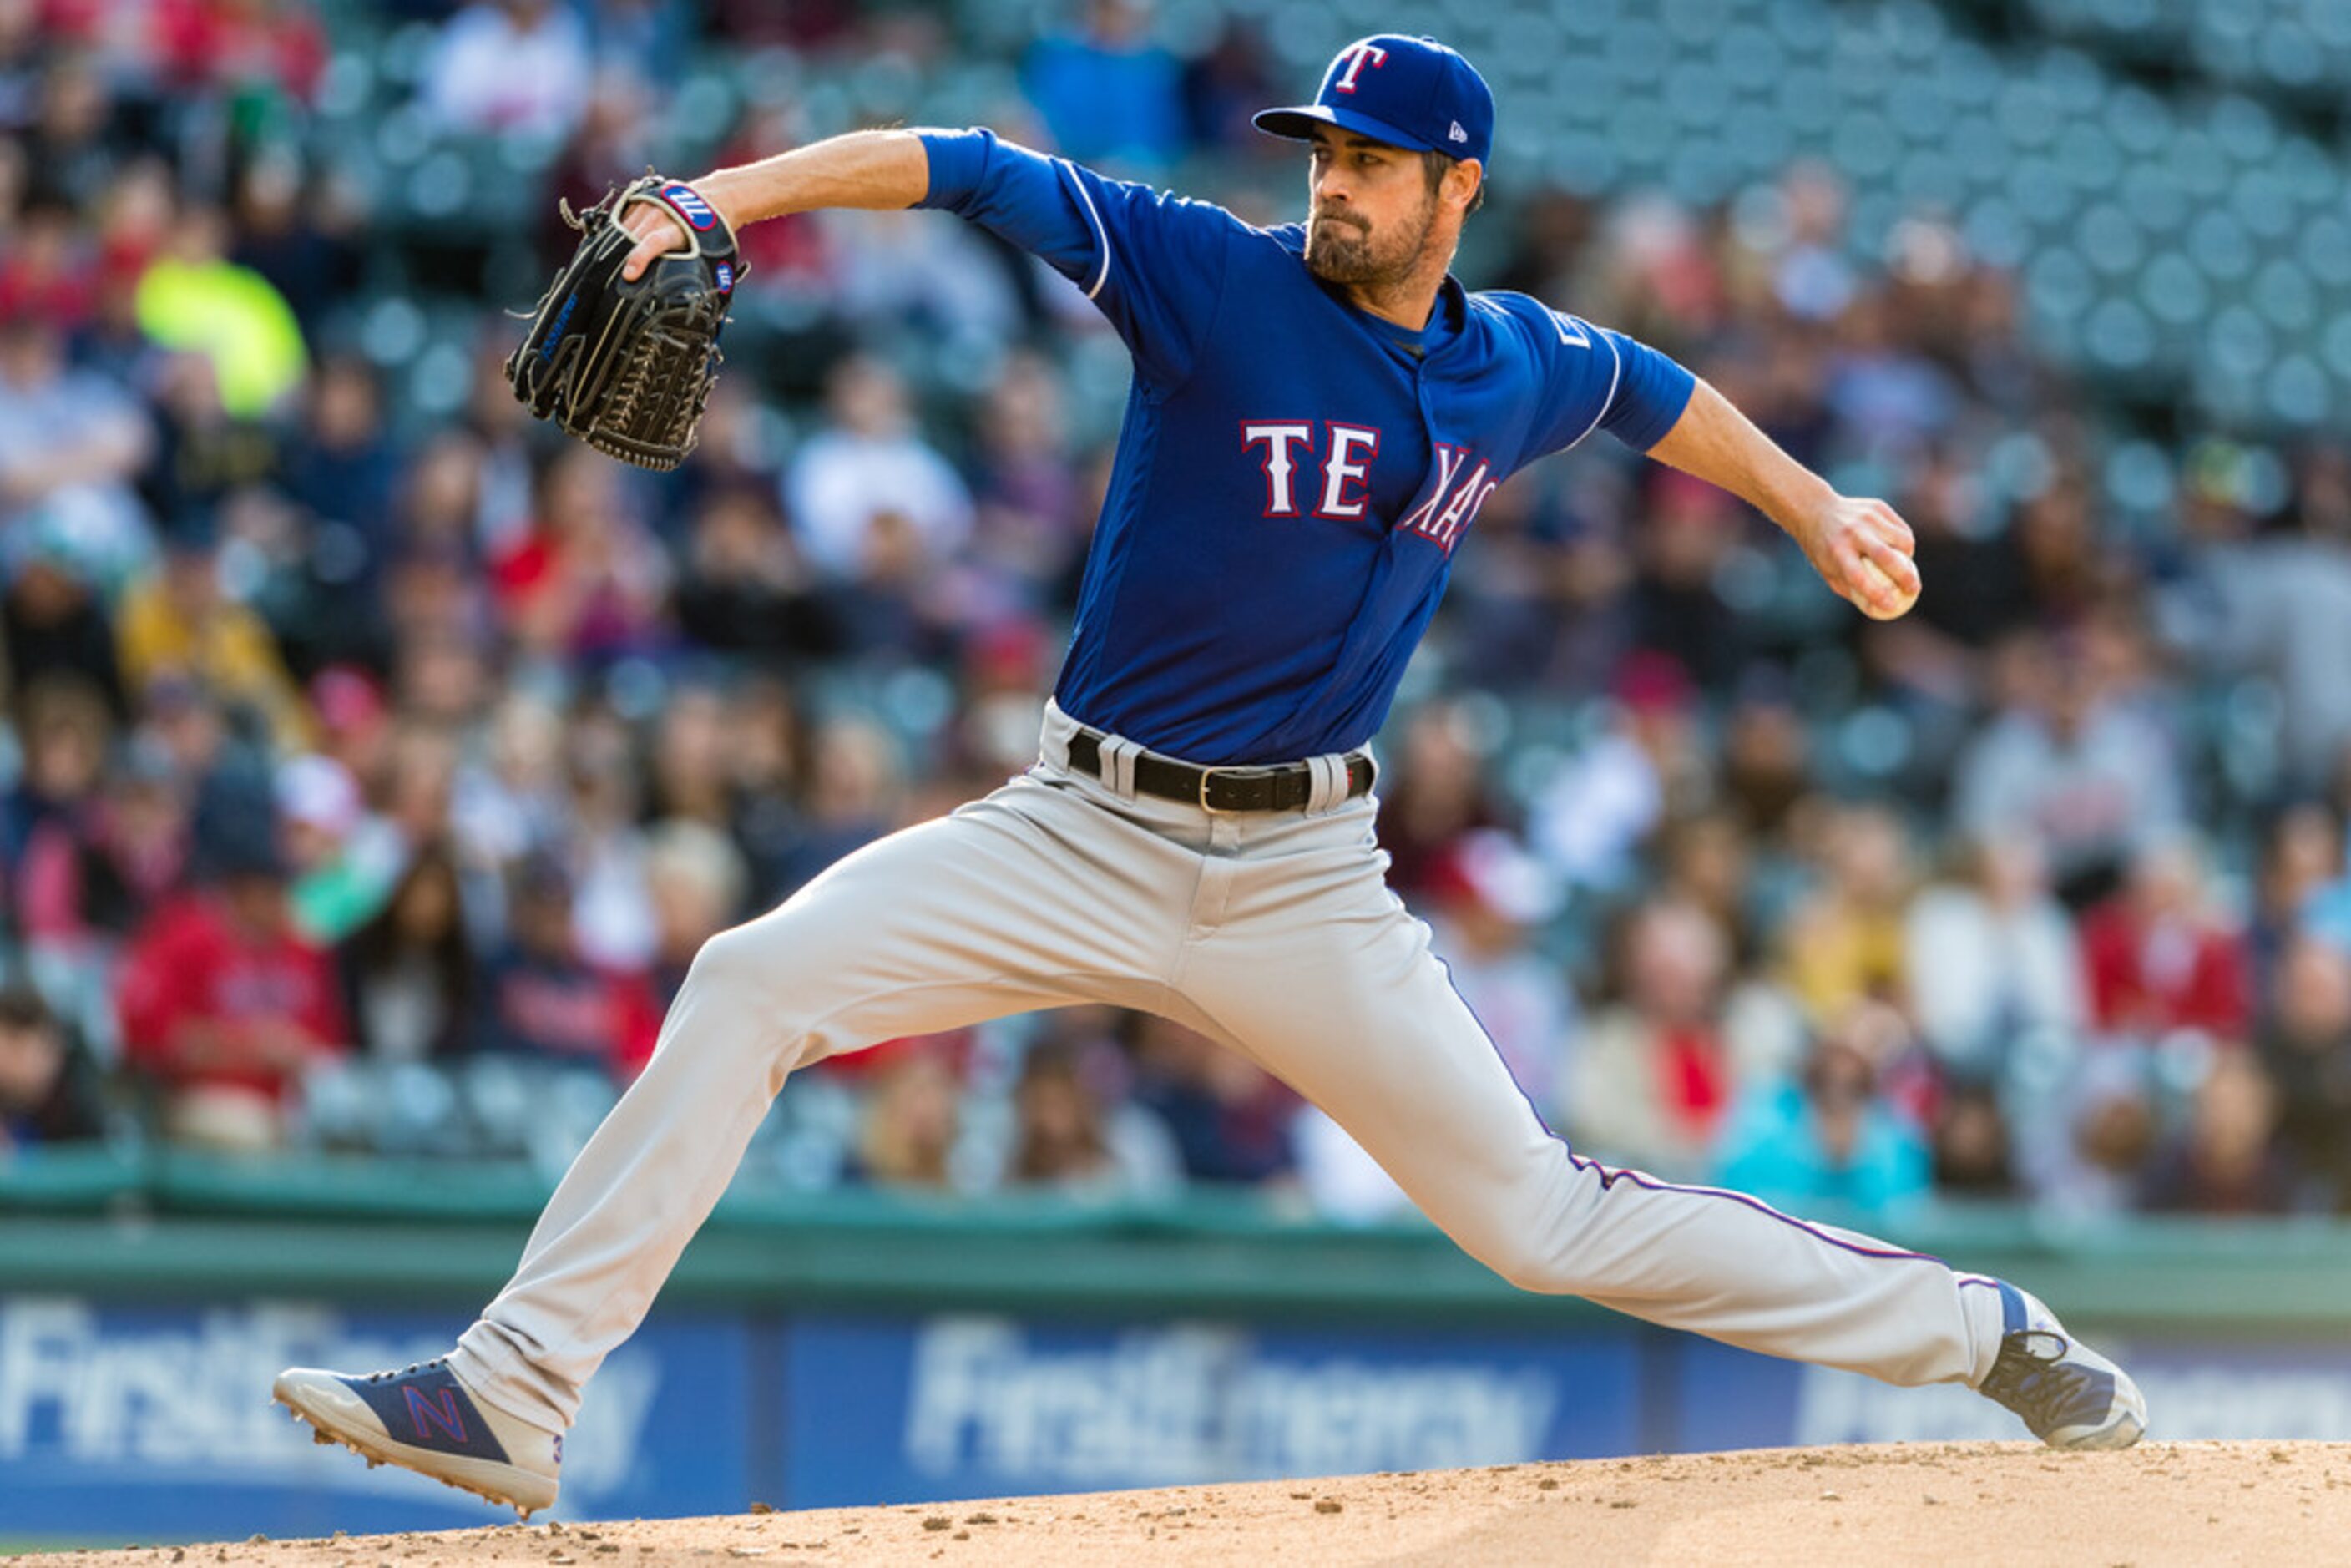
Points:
(1338, 251)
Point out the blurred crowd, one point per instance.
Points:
(371, 775)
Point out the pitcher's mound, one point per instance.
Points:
(2011, 1504)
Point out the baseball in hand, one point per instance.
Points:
(1877, 576)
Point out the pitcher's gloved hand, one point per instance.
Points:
(626, 363)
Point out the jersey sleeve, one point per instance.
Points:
(1153, 264)
(1603, 380)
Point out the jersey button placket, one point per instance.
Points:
(1427, 417)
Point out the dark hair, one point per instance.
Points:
(377, 948)
(1434, 164)
(25, 1010)
(381, 943)
(1032, 1161)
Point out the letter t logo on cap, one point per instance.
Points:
(1355, 58)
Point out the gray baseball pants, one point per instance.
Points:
(1273, 932)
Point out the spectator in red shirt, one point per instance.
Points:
(2157, 958)
(248, 45)
(589, 582)
(46, 271)
(1657, 1073)
(224, 1004)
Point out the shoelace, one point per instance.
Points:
(2030, 1383)
(413, 1367)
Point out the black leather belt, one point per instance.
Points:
(1286, 787)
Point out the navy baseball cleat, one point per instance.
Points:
(2069, 1395)
(423, 1418)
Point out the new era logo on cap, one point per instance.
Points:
(1405, 91)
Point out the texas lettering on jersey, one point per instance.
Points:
(1330, 478)
(1344, 465)
(1453, 502)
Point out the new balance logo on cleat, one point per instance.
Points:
(423, 1418)
(424, 1414)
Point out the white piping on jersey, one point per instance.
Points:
(1614, 376)
(1095, 218)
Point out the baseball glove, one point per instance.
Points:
(627, 366)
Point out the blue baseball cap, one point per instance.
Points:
(1408, 93)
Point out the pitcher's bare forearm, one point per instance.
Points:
(878, 171)
(1714, 441)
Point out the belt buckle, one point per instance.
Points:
(1255, 771)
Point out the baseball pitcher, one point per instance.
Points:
(1318, 411)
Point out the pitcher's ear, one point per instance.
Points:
(1470, 172)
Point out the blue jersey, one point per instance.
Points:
(1293, 475)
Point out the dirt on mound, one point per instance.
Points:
(2013, 1503)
